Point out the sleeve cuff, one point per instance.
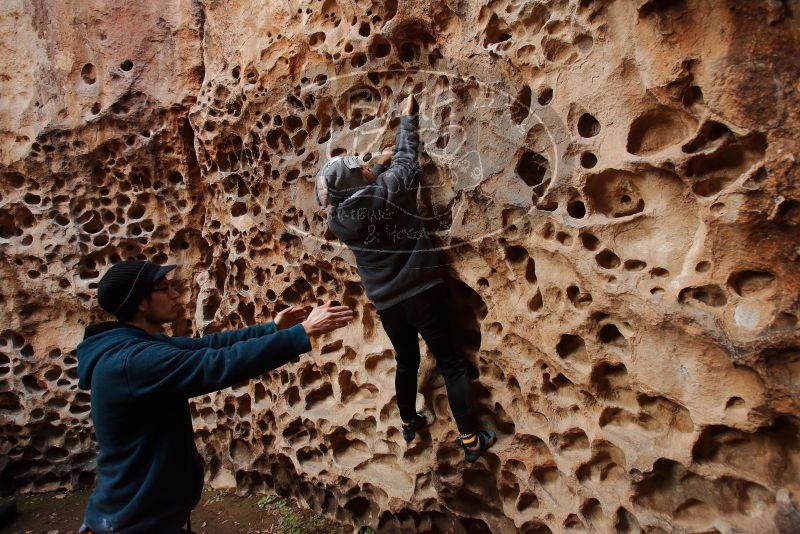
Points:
(269, 328)
(300, 339)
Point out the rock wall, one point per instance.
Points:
(613, 185)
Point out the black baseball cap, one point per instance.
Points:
(125, 284)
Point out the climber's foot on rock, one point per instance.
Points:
(422, 419)
(476, 443)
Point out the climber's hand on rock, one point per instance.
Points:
(289, 317)
(411, 106)
(327, 318)
(385, 156)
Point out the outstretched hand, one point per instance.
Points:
(327, 318)
(385, 156)
(289, 317)
(411, 106)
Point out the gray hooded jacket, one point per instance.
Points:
(380, 224)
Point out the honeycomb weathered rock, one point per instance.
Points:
(613, 183)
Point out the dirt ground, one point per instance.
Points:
(218, 513)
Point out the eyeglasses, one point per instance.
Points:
(170, 284)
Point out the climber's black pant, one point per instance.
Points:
(426, 314)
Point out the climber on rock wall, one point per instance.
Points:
(149, 473)
(374, 212)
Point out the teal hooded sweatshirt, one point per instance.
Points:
(149, 473)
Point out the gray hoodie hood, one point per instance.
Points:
(339, 179)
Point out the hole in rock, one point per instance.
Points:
(550, 205)
(626, 522)
(720, 445)
(557, 50)
(755, 179)
(634, 265)
(693, 96)
(359, 507)
(609, 379)
(588, 126)
(592, 511)
(785, 321)
(15, 179)
(570, 345)
(590, 241)
(751, 283)
(711, 186)
(89, 74)
(409, 52)
(616, 193)
(788, 212)
(547, 475)
(545, 96)
(730, 160)
(610, 334)
(651, 7)
(573, 523)
(735, 403)
(380, 48)
(588, 160)
(527, 500)
(783, 365)
(32, 383)
(710, 295)
(532, 168)
(495, 32)
(516, 254)
(521, 106)
(175, 178)
(211, 306)
(318, 395)
(556, 27)
(126, 65)
(583, 43)
(316, 39)
(709, 133)
(536, 302)
(9, 401)
(607, 259)
(576, 209)
(656, 130)
(564, 238)
(578, 298)
(94, 225)
(530, 271)
(238, 209)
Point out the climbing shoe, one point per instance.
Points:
(476, 444)
(420, 421)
